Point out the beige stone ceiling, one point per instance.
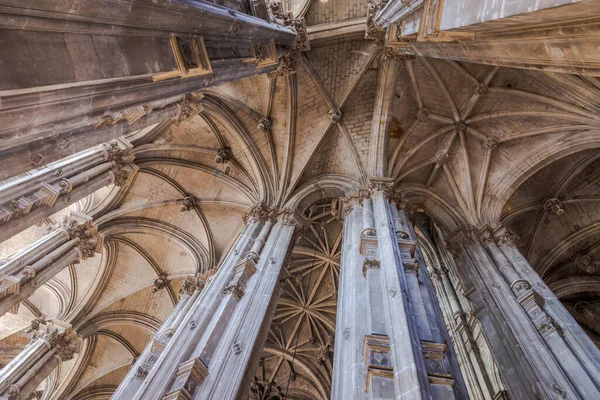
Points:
(536, 119)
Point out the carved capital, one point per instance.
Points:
(259, 212)
(381, 185)
(58, 335)
(584, 263)
(373, 31)
(119, 152)
(189, 107)
(81, 227)
(192, 283)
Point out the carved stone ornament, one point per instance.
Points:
(188, 203)
(370, 263)
(264, 124)
(373, 31)
(187, 109)
(260, 212)
(548, 326)
(584, 263)
(554, 206)
(160, 283)
(335, 115)
(381, 186)
(81, 227)
(285, 67)
(131, 114)
(224, 155)
(119, 152)
(192, 283)
(391, 54)
(441, 158)
(584, 308)
(59, 336)
(141, 373)
(491, 143)
(423, 114)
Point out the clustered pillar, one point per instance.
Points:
(214, 340)
(29, 198)
(540, 349)
(389, 343)
(21, 274)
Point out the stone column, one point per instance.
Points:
(31, 197)
(223, 330)
(353, 309)
(22, 273)
(188, 294)
(392, 341)
(241, 344)
(161, 49)
(534, 343)
(52, 343)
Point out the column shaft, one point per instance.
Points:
(28, 269)
(31, 197)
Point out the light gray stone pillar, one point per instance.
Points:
(241, 344)
(391, 339)
(52, 343)
(22, 273)
(353, 310)
(533, 342)
(31, 197)
(224, 328)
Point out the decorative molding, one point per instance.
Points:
(224, 155)
(81, 227)
(335, 115)
(554, 206)
(370, 263)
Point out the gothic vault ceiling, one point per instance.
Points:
(469, 144)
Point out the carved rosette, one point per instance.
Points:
(584, 263)
(188, 203)
(81, 227)
(335, 115)
(491, 143)
(554, 206)
(224, 155)
(160, 283)
(441, 158)
(373, 31)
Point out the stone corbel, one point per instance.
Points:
(376, 351)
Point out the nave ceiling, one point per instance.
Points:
(469, 144)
